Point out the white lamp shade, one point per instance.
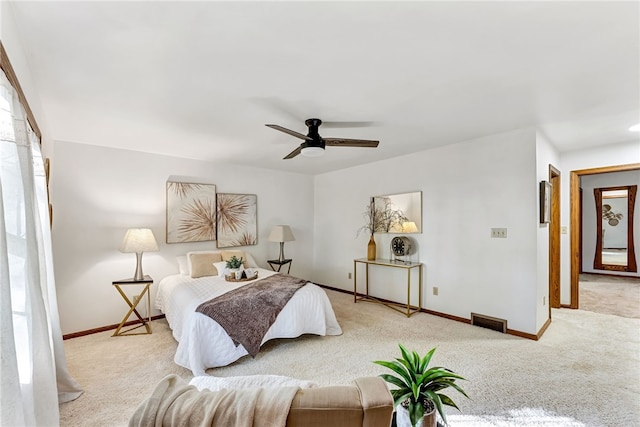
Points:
(281, 233)
(409, 227)
(138, 240)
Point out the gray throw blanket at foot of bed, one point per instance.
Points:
(247, 313)
(175, 403)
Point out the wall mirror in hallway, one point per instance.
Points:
(399, 213)
(614, 241)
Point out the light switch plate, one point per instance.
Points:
(498, 233)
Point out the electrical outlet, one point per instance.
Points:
(435, 290)
(563, 229)
(498, 233)
(349, 275)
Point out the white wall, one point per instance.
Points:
(97, 193)
(589, 216)
(546, 154)
(16, 54)
(467, 188)
(596, 157)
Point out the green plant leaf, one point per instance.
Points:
(395, 381)
(426, 359)
(416, 412)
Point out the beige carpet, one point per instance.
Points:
(585, 371)
(610, 295)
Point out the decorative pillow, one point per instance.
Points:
(183, 265)
(248, 381)
(221, 267)
(201, 264)
(239, 254)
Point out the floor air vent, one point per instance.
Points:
(489, 322)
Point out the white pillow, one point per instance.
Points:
(221, 267)
(183, 265)
(248, 381)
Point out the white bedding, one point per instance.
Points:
(203, 343)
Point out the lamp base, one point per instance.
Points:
(281, 252)
(139, 275)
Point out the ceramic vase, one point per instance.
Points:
(371, 249)
(403, 420)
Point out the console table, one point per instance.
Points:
(407, 308)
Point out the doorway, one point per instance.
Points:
(575, 218)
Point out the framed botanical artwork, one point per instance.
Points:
(545, 202)
(237, 220)
(191, 212)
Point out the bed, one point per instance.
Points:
(203, 343)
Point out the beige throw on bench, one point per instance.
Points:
(248, 312)
(175, 403)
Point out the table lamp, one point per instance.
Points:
(281, 233)
(409, 227)
(138, 240)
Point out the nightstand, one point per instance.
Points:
(276, 262)
(146, 322)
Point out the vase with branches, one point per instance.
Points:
(379, 218)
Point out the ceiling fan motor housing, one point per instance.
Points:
(313, 125)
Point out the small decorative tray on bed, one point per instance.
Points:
(232, 278)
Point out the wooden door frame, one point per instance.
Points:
(576, 214)
(554, 240)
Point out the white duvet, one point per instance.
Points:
(203, 343)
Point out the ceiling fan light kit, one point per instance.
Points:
(312, 151)
(314, 144)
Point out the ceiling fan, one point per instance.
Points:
(314, 144)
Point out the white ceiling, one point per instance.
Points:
(201, 79)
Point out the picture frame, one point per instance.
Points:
(237, 220)
(191, 212)
(545, 202)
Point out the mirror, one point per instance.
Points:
(614, 218)
(399, 213)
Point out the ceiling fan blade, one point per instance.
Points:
(292, 154)
(290, 132)
(348, 124)
(344, 142)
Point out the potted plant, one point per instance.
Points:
(419, 387)
(234, 265)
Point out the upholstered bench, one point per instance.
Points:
(366, 402)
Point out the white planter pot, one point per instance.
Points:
(403, 420)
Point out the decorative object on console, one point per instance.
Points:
(400, 246)
(237, 220)
(191, 212)
(138, 240)
(372, 225)
(281, 234)
(371, 249)
(418, 394)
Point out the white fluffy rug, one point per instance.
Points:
(585, 371)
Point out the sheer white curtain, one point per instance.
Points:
(33, 371)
